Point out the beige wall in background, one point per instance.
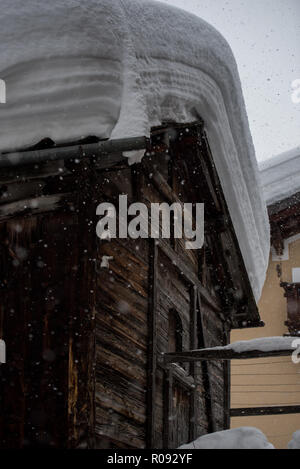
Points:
(269, 381)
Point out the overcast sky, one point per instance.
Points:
(265, 38)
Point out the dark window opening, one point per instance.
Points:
(175, 332)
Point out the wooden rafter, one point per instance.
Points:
(101, 149)
(270, 410)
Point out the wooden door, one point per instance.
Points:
(179, 418)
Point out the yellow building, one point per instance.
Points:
(274, 382)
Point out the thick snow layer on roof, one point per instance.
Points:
(237, 438)
(263, 344)
(114, 68)
(280, 176)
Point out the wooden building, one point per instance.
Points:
(84, 342)
(86, 322)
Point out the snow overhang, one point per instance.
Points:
(243, 350)
(114, 69)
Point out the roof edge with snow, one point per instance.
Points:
(280, 176)
(114, 69)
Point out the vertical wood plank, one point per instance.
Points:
(227, 382)
(193, 366)
(81, 408)
(168, 408)
(152, 351)
(205, 373)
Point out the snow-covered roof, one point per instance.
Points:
(280, 176)
(114, 68)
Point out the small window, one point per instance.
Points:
(175, 332)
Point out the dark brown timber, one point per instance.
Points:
(271, 410)
(215, 354)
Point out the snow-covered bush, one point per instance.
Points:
(237, 438)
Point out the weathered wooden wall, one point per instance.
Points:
(45, 309)
(121, 331)
(164, 407)
(84, 342)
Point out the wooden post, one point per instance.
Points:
(193, 366)
(81, 403)
(222, 354)
(227, 382)
(168, 407)
(152, 351)
(205, 375)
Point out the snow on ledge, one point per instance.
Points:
(115, 68)
(263, 344)
(237, 438)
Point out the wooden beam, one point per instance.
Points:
(152, 346)
(234, 262)
(81, 322)
(282, 205)
(68, 152)
(35, 205)
(206, 374)
(221, 354)
(193, 366)
(272, 410)
(227, 382)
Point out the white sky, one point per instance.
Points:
(265, 38)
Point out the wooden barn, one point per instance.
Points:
(86, 321)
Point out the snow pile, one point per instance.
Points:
(115, 68)
(237, 438)
(295, 442)
(263, 344)
(280, 176)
